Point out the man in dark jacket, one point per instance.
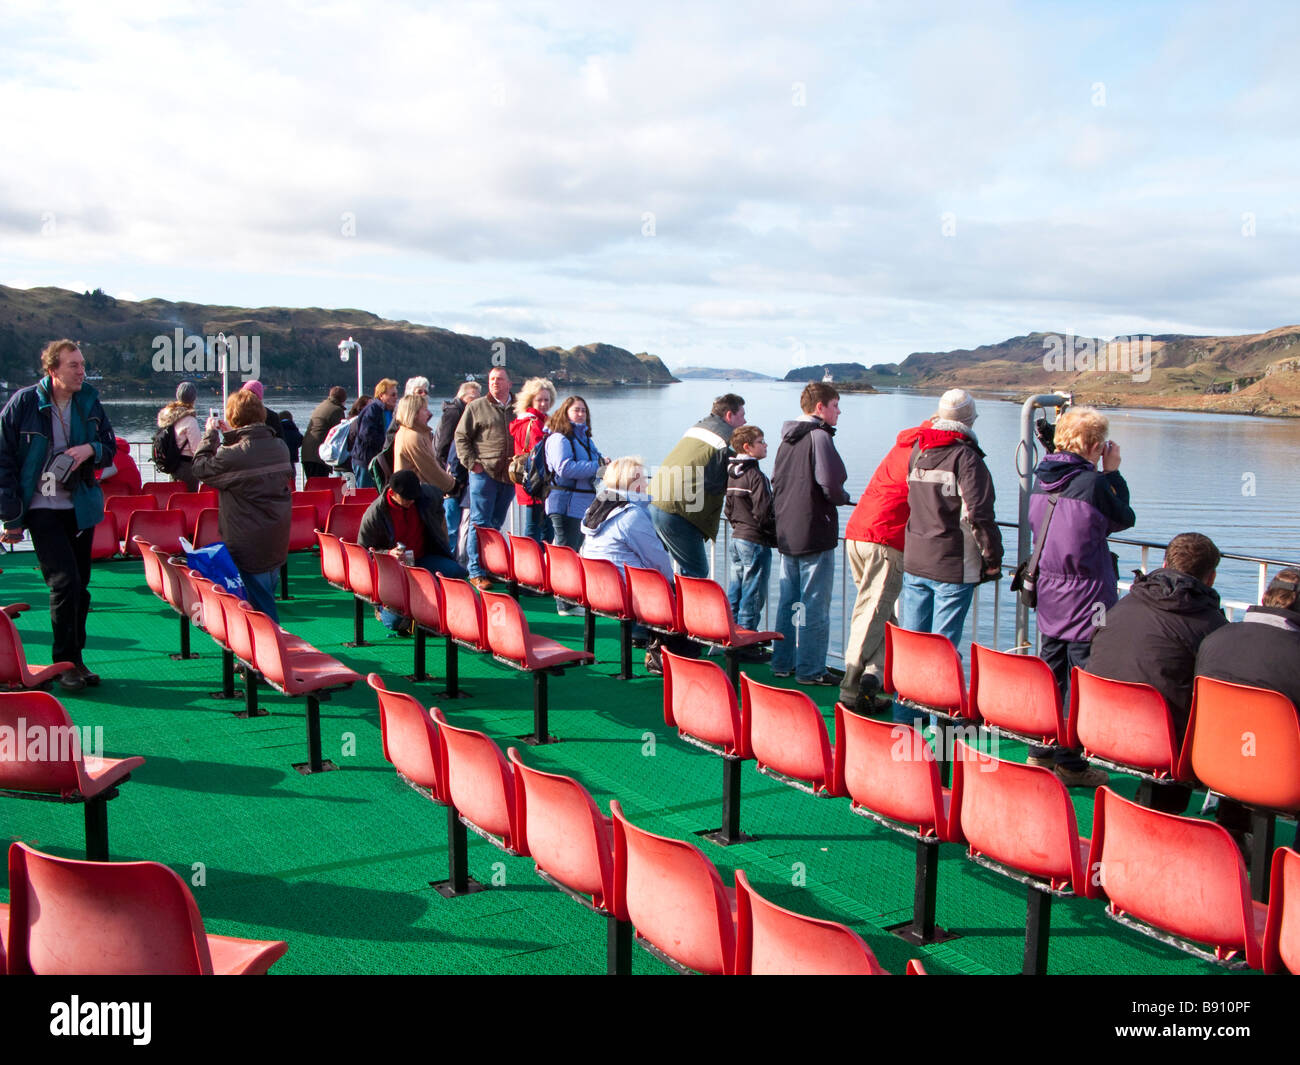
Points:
(327, 415)
(407, 516)
(952, 541)
(1151, 636)
(689, 488)
(750, 510)
(59, 416)
(1263, 649)
(807, 485)
(251, 471)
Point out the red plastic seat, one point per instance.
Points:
(302, 537)
(774, 941)
(1018, 821)
(424, 599)
(564, 566)
(180, 594)
(607, 596)
(572, 843)
(1122, 726)
(923, 670)
(1282, 933)
(391, 585)
(673, 896)
(152, 568)
(345, 520)
(65, 771)
(463, 624)
(411, 741)
(1180, 875)
(362, 585)
(1016, 695)
(784, 732)
(162, 528)
(75, 918)
(359, 496)
(892, 776)
(507, 637)
(105, 542)
(705, 616)
(192, 504)
(529, 562)
(494, 553)
(333, 562)
(327, 484)
(122, 507)
(480, 783)
(1244, 742)
(207, 528)
(213, 617)
(653, 603)
(163, 491)
(15, 672)
(297, 671)
(320, 501)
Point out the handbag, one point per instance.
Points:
(1025, 579)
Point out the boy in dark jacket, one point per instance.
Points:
(753, 529)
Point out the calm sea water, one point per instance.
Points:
(1233, 478)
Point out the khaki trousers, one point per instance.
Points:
(878, 574)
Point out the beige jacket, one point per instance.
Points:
(413, 450)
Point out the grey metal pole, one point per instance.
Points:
(1026, 454)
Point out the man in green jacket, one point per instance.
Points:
(53, 436)
(691, 486)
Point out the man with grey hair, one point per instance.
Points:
(952, 542)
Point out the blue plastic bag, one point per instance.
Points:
(214, 563)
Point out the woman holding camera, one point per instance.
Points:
(53, 436)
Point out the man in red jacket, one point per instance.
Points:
(875, 549)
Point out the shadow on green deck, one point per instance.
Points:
(338, 864)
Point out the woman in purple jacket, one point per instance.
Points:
(1077, 577)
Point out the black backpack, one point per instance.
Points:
(166, 451)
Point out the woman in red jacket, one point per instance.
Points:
(532, 404)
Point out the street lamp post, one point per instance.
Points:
(224, 347)
(346, 347)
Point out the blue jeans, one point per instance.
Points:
(448, 567)
(536, 525)
(362, 476)
(803, 617)
(751, 567)
(451, 511)
(489, 503)
(566, 531)
(935, 606)
(684, 542)
(260, 589)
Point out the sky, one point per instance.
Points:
(762, 185)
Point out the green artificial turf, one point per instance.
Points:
(339, 864)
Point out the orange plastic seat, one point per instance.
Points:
(1019, 822)
(774, 941)
(1244, 742)
(75, 918)
(653, 603)
(564, 566)
(345, 520)
(302, 537)
(1123, 726)
(462, 617)
(163, 491)
(327, 484)
(701, 704)
(362, 585)
(607, 596)
(1016, 695)
(480, 783)
(673, 896)
(783, 731)
(507, 637)
(207, 528)
(320, 501)
(572, 844)
(15, 672)
(494, 553)
(162, 528)
(297, 670)
(191, 505)
(424, 598)
(1282, 933)
(705, 616)
(1179, 876)
(892, 776)
(105, 542)
(923, 671)
(64, 771)
(529, 562)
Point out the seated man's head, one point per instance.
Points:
(1283, 589)
(404, 488)
(244, 408)
(1191, 553)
